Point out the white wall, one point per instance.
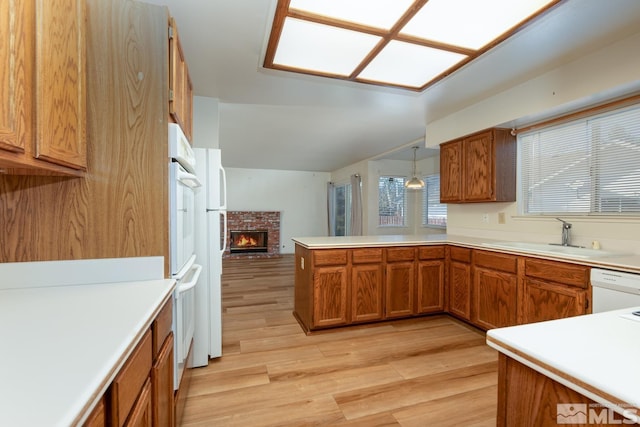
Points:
(300, 197)
(206, 122)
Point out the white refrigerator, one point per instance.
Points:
(210, 243)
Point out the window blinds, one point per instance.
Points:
(586, 166)
(434, 213)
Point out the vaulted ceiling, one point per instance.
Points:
(276, 119)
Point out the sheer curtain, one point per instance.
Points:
(356, 205)
(331, 208)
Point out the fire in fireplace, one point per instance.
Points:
(248, 241)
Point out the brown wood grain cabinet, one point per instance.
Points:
(180, 85)
(553, 290)
(400, 282)
(479, 168)
(142, 412)
(330, 296)
(494, 294)
(98, 417)
(460, 282)
(43, 123)
(367, 282)
(430, 280)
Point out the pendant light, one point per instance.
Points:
(414, 183)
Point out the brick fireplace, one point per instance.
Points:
(250, 223)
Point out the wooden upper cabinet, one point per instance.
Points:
(479, 168)
(43, 82)
(180, 86)
(16, 65)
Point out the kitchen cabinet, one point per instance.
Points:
(162, 397)
(367, 285)
(479, 168)
(553, 290)
(98, 417)
(494, 293)
(399, 282)
(330, 288)
(431, 278)
(180, 86)
(43, 122)
(460, 282)
(141, 413)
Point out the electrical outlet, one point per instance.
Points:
(485, 217)
(501, 218)
(301, 263)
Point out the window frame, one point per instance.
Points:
(404, 204)
(425, 202)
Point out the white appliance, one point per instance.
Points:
(183, 184)
(211, 229)
(614, 290)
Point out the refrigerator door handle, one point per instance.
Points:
(224, 231)
(223, 187)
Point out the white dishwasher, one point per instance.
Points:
(613, 290)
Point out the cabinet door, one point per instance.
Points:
(61, 82)
(548, 301)
(366, 292)
(399, 289)
(494, 298)
(430, 286)
(181, 90)
(141, 413)
(16, 20)
(460, 289)
(478, 168)
(162, 385)
(330, 296)
(451, 172)
(98, 417)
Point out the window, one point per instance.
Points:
(434, 213)
(342, 206)
(392, 203)
(587, 166)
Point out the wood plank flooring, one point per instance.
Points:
(432, 371)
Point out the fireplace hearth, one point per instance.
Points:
(248, 241)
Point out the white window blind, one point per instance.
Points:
(342, 206)
(434, 213)
(587, 166)
(392, 202)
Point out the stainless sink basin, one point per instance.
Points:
(549, 249)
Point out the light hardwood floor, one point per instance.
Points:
(431, 371)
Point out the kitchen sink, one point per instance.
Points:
(550, 249)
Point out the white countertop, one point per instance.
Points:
(596, 355)
(63, 345)
(625, 262)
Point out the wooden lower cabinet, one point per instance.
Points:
(553, 290)
(430, 287)
(141, 414)
(98, 417)
(330, 296)
(366, 292)
(460, 289)
(527, 398)
(494, 299)
(399, 289)
(162, 386)
(548, 301)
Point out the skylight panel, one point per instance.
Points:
(469, 23)
(407, 64)
(322, 48)
(373, 13)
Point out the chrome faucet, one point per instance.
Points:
(566, 230)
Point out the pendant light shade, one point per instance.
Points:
(414, 183)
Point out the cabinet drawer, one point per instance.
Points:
(495, 261)
(330, 257)
(460, 254)
(401, 254)
(431, 252)
(366, 255)
(130, 380)
(559, 272)
(161, 327)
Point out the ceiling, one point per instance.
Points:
(281, 120)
